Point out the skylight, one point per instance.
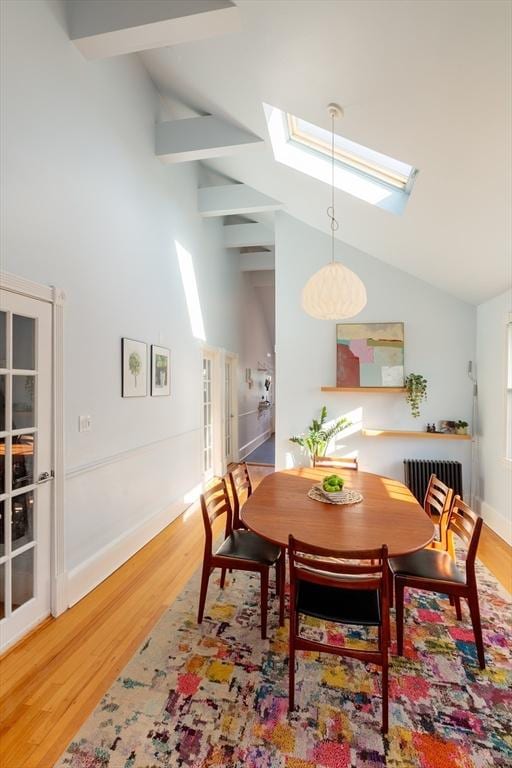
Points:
(362, 172)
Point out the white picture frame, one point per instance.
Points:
(134, 368)
(160, 371)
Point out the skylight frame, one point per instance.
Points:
(360, 163)
(313, 161)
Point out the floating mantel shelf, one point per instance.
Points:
(411, 433)
(380, 390)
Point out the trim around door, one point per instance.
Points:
(56, 297)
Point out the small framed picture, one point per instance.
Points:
(160, 371)
(134, 368)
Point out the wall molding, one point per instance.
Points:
(86, 576)
(499, 524)
(114, 458)
(24, 287)
(249, 447)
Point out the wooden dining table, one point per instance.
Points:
(388, 514)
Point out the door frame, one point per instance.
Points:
(56, 297)
(218, 356)
(232, 357)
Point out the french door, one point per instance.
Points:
(208, 417)
(25, 463)
(228, 410)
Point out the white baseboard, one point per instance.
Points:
(499, 524)
(87, 576)
(251, 446)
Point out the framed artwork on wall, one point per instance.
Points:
(134, 368)
(160, 371)
(370, 355)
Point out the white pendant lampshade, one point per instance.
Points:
(333, 293)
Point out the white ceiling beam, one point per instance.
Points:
(255, 262)
(233, 199)
(104, 28)
(200, 138)
(244, 235)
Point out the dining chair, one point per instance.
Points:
(436, 571)
(337, 462)
(241, 550)
(353, 593)
(241, 489)
(437, 502)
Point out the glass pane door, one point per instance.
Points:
(207, 418)
(25, 451)
(228, 411)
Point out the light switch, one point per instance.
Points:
(84, 424)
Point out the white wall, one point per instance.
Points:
(256, 342)
(439, 341)
(495, 472)
(89, 208)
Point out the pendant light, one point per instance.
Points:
(334, 292)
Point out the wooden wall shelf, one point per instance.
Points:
(411, 433)
(380, 390)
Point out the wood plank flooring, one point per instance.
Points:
(53, 679)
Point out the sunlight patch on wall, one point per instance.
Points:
(188, 277)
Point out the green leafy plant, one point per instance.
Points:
(461, 427)
(319, 435)
(135, 365)
(416, 392)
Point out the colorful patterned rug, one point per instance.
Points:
(216, 695)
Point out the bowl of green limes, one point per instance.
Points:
(332, 487)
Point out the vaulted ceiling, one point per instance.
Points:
(426, 82)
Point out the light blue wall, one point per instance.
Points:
(439, 342)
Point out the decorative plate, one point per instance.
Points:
(347, 496)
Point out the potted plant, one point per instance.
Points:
(416, 392)
(461, 427)
(319, 435)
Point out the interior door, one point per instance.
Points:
(207, 416)
(228, 410)
(25, 463)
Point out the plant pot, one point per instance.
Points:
(461, 430)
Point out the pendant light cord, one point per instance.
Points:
(330, 210)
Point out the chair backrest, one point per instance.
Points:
(328, 567)
(342, 462)
(467, 525)
(438, 497)
(240, 482)
(214, 503)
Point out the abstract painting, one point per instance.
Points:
(370, 355)
(160, 371)
(134, 368)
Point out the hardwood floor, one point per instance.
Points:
(53, 679)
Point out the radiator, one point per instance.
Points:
(417, 473)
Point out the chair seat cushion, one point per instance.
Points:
(246, 545)
(346, 606)
(427, 564)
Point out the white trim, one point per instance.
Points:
(499, 524)
(251, 446)
(114, 458)
(56, 297)
(24, 287)
(86, 576)
(232, 357)
(58, 598)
